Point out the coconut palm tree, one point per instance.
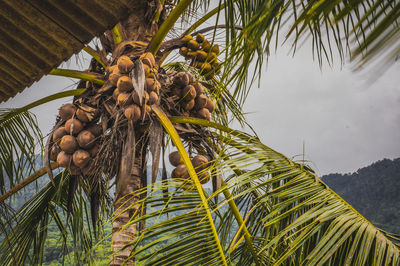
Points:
(139, 97)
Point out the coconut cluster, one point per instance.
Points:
(76, 141)
(200, 164)
(136, 107)
(190, 96)
(202, 54)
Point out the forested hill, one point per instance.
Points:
(374, 191)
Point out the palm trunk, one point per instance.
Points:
(140, 26)
(126, 186)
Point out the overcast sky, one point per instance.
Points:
(345, 120)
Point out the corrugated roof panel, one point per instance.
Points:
(37, 35)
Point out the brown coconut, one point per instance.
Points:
(124, 99)
(124, 84)
(206, 46)
(181, 79)
(132, 112)
(201, 101)
(148, 59)
(210, 105)
(94, 150)
(114, 77)
(81, 158)
(199, 88)
(204, 67)
(194, 45)
(125, 64)
(73, 126)
(183, 51)
(200, 162)
(189, 105)
(147, 70)
(86, 139)
(112, 68)
(152, 85)
(204, 178)
(54, 151)
(116, 92)
(95, 129)
(215, 49)
(187, 38)
(204, 114)
(175, 158)
(180, 172)
(189, 93)
(66, 111)
(153, 98)
(191, 77)
(58, 134)
(84, 116)
(64, 159)
(201, 55)
(200, 38)
(68, 144)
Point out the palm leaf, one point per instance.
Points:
(20, 136)
(294, 216)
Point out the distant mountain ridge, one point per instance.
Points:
(374, 191)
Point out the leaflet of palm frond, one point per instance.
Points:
(20, 136)
(303, 220)
(24, 243)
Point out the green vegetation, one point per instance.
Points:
(373, 191)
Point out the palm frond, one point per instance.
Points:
(25, 232)
(294, 217)
(20, 137)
